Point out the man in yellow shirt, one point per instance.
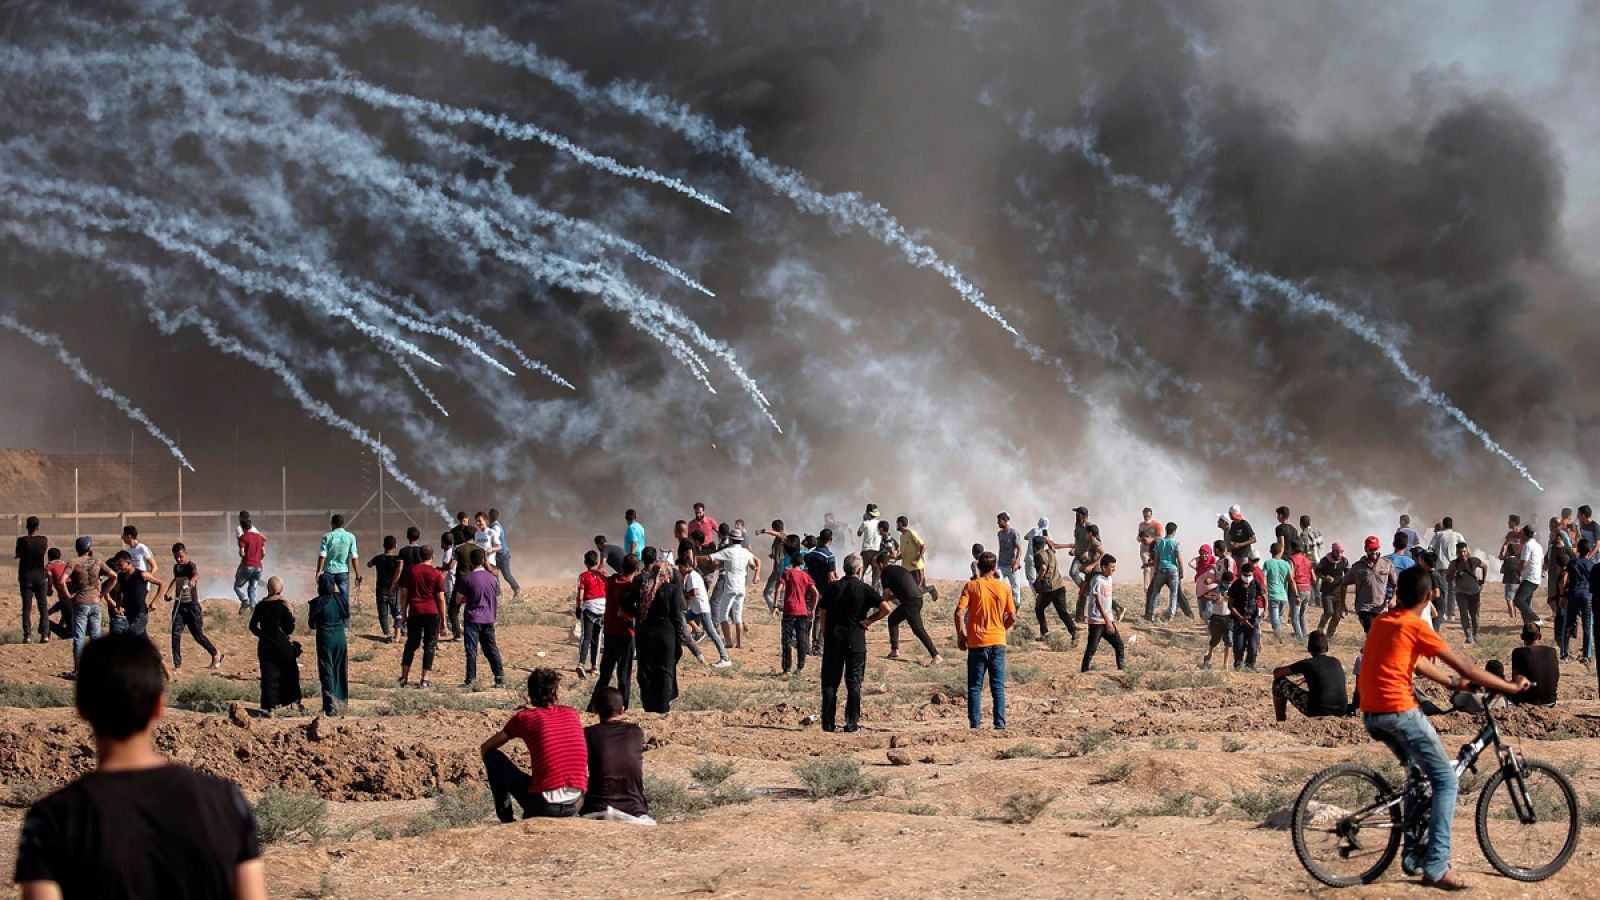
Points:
(983, 615)
(914, 555)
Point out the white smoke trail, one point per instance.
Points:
(1181, 213)
(416, 381)
(251, 282)
(347, 84)
(75, 365)
(317, 409)
(850, 210)
(184, 224)
(169, 322)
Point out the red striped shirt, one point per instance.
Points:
(554, 735)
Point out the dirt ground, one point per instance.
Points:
(1157, 778)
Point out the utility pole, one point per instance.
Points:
(283, 506)
(180, 503)
(380, 486)
(76, 526)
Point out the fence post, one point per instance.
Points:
(180, 504)
(283, 505)
(77, 528)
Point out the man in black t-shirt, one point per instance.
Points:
(1539, 664)
(138, 826)
(902, 586)
(1323, 693)
(389, 567)
(1240, 537)
(131, 609)
(616, 760)
(849, 607)
(1285, 535)
(32, 581)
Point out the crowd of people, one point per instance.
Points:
(639, 607)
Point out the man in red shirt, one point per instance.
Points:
(558, 772)
(622, 606)
(252, 550)
(422, 591)
(1399, 645)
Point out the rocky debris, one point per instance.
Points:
(238, 716)
(899, 758)
(318, 730)
(938, 699)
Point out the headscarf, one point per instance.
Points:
(652, 581)
(1206, 561)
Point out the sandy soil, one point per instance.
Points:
(1158, 777)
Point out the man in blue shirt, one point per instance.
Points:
(337, 556)
(633, 540)
(1401, 557)
(502, 558)
(820, 566)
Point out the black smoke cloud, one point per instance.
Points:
(1441, 223)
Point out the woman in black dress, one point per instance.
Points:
(660, 634)
(272, 622)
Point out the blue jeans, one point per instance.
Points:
(85, 626)
(1576, 612)
(139, 624)
(248, 576)
(1412, 738)
(475, 635)
(711, 632)
(502, 561)
(989, 661)
(1275, 613)
(341, 580)
(1012, 575)
(1298, 601)
(1172, 580)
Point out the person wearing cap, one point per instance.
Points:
(1330, 571)
(1374, 577)
(868, 538)
(89, 580)
(1239, 537)
(737, 566)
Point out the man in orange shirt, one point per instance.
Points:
(1397, 645)
(984, 613)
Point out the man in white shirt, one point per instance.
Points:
(1531, 574)
(143, 559)
(501, 559)
(727, 605)
(1443, 544)
(868, 540)
(699, 608)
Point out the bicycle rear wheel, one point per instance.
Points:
(1346, 829)
(1528, 834)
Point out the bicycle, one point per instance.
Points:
(1348, 822)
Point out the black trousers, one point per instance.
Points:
(910, 612)
(1097, 632)
(616, 655)
(35, 593)
(192, 617)
(1058, 599)
(388, 610)
(421, 628)
(852, 667)
(453, 614)
(508, 783)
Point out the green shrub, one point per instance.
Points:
(728, 793)
(1023, 750)
(922, 809)
(1059, 641)
(34, 696)
(211, 694)
(712, 772)
(283, 814)
(1024, 806)
(413, 702)
(1083, 743)
(1232, 745)
(708, 695)
(1257, 805)
(1118, 771)
(1172, 742)
(454, 807)
(668, 798)
(837, 776)
(1023, 673)
(1183, 804)
(1591, 810)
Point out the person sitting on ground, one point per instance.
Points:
(1537, 663)
(138, 825)
(1323, 693)
(1397, 650)
(616, 761)
(559, 761)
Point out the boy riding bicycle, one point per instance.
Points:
(1396, 645)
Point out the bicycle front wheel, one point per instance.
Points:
(1528, 822)
(1346, 825)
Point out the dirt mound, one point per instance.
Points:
(340, 759)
